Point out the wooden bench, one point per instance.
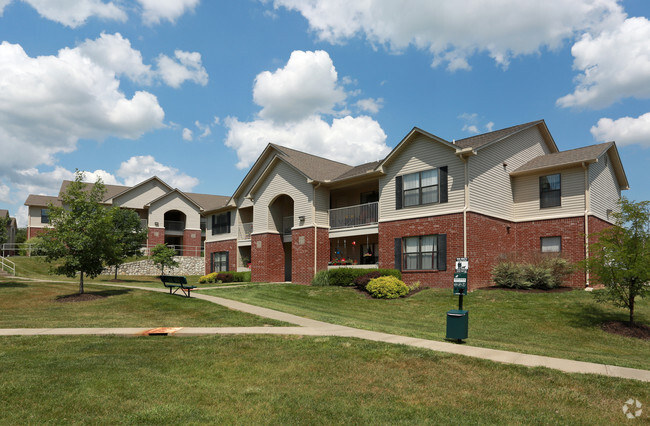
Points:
(176, 283)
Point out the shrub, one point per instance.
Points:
(209, 278)
(35, 241)
(347, 276)
(387, 288)
(507, 274)
(241, 277)
(560, 269)
(224, 277)
(536, 276)
(362, 281)
(414, 286)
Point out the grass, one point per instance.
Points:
(34, 305)
(287, 380)
(564, 325)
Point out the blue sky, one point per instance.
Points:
(193, 90)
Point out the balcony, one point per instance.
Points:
(354, 216)
(245, 231)
(174, 225)
(143, 223)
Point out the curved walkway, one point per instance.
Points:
(309, 327)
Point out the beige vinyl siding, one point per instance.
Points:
(490, 183)
(137, 197)
(221, 237)
(283, 179)
(322, 203)
(422, 154)
(604, 190)
(34, 217)
(572, 192)
(175, 201)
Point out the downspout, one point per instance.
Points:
(466, 204)
(587, 204)
(315, 229)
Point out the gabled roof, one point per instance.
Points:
(357, 171)
(42, 200)
(209, 202)
(4, 213)
(126, 189)
(483, 140)
(575, 157)
(174, 191)
(111, 190)
(415, 131)
(313, 167)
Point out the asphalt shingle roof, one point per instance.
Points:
(42, 200)
(312, 166)
(558, 159)
(478, 141)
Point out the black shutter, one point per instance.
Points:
(398, 192)
(443, 185)
(398, 254)
(228, 223)
(442, 252)
(228, 257)
(214, 225)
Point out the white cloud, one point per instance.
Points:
(5, 193)
(3, 4)
(295, 101)
(187, 135)
(153, 11)
(615, 64)
(471, 128)
(21, 216)
(351, 140)
(503, 29)
(625, 130)
(205, 129)
(48, 103)
(74, 13)
(106, 177)
(139, 168)
(32, 181)
(306, 85)
(187, 66)
(472, 124)
(114, 52)
(490, 126)
(370, 105)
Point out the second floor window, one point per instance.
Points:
(550, 191)
(45, 216)
(221, 223)
(420, 188)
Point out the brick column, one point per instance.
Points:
(303, 246)
(267, 257)
(192, 242)
(156, 236)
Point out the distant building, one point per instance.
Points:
(12, 228)
(172, 217)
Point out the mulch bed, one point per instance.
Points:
(531, 290)
(639, 331)
(86, 297)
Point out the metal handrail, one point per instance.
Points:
(353, 216)
(174, 225)
(8, 265)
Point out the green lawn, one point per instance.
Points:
(287, 380)
(564, 325)
(25, 304)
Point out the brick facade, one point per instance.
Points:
(302, 253)
(34, 232)
(451, 225)
(192, 242)
(216, 246)
(156, 236)
(267, 257)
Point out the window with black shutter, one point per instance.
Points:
(221, 223)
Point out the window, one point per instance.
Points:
(425, 187)
(551, 244)
(220, 261)
(45, 216)
(420, 188)
(221, 223)
(549, 191)
(420, 252)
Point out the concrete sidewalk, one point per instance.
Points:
(309, 327)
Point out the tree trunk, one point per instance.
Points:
(116, 266)
(81, 283)
(631, 310)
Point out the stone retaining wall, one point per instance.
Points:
(187, 265)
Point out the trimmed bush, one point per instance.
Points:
(209, 278)
(347, 276)
(362, 281)
(387, 288)
(241, 277)
(507, 274)
(225, 277)
(537, 276)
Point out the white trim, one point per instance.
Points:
(353, 232)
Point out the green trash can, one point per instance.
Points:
(457, 321)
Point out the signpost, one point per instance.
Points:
(457, 320)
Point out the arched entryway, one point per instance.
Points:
(281, 220)
(174, 227)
